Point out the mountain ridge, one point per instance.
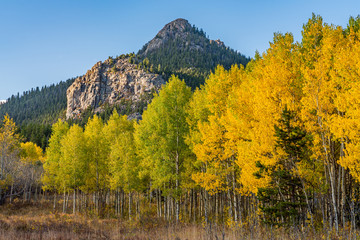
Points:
(178, 48)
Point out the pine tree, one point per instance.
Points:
(284, 199)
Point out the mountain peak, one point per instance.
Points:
(178, 25)
(183, 49)
(179, 28)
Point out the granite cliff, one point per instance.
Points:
(110, 82)
(178, 48)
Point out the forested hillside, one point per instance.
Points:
(34, 111)
(39, 105)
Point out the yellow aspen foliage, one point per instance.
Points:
(50, 178)
(254, 108)
(344, 123)
(9, 150)
(207, 134)
(97, 175)
(123, 161)
(72, 163)
(31, 153)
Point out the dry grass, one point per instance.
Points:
(36, 221)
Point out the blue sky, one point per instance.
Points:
(44, 42)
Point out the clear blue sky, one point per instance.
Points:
(44, 42)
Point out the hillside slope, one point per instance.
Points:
(184, 50)
(39, 105)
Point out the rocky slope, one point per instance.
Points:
(110, 82)
(181, 30)
(186, 51)
(178, 48)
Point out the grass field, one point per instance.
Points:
(37, 221)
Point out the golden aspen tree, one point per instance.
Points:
(32, 157)
(346, 76)
(50, 178)
(207, 134)
(319, 48)
(73, 161)
(272, 83)
(97, 175)
(9, 145)
(123, 164)
(215, 155)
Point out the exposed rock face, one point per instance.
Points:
(218, 42)
(109, 82)
(179, 29)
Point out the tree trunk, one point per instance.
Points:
(74, 202)
(11, 191)
(54, 206)
(234, 196)
(138, 206)
(177, 188)
(333, 197)
(129, 205)
(64, 202)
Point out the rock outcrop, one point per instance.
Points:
(178, 48)
(111, 82)
(177, 29)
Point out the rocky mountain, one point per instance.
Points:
(184, 50)
(126, 82)
(111, 82)
(177, 29)
(178, 48)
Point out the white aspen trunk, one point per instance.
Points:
(116, 206)
(25, 193)
(168, 207)
(234, 196)
(138, 206)
(333, 197)
(194, 205)
(122, 203)
(4, 146)
(165, 207)
(64, 202)
(36, 192)
(331, 176)
(67, 201)
(206, 209)
(74, 202)
(157, 204)
(177, 188)
(54, 206)
(30, 189)
(229, 199)
(342, 205)
(11, 191)
(239, 209)
(129, 205)
(78, 200)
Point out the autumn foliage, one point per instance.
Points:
(276, 142)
